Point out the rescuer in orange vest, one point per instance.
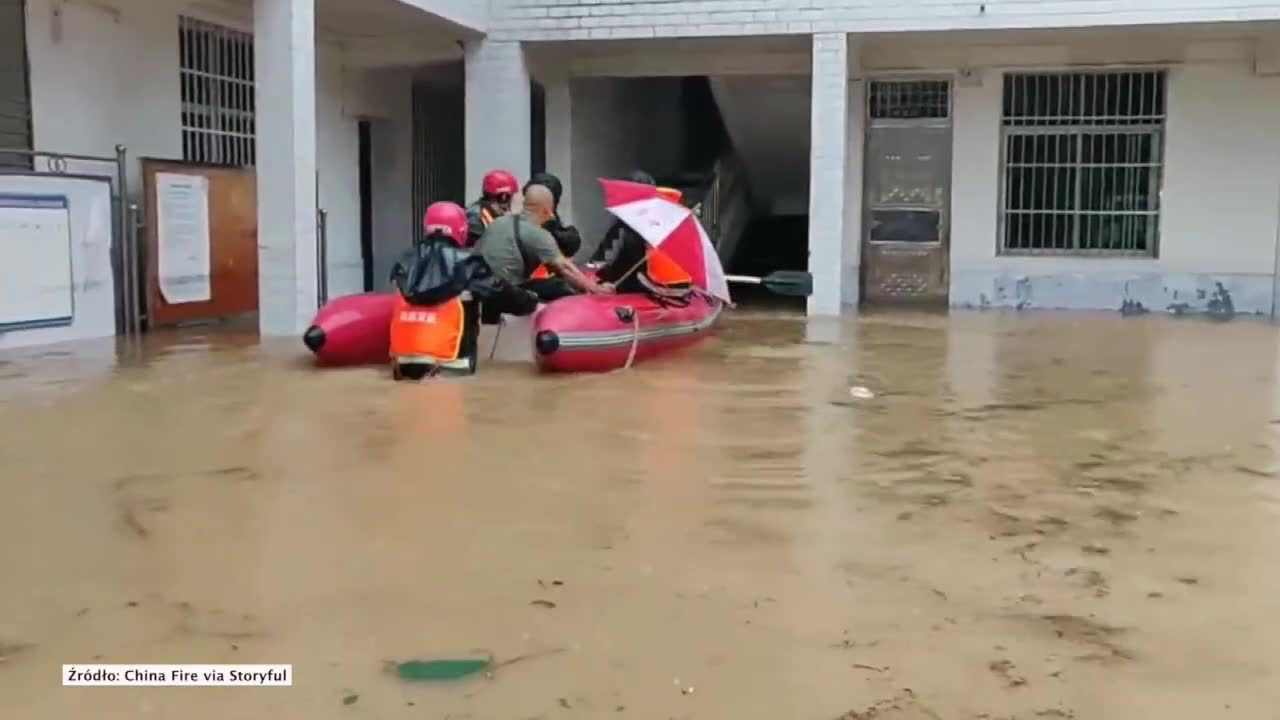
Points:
(635, 266)
(440, 336)
(496, 191)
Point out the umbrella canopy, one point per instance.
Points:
(671, 228)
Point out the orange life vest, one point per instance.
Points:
(542, 272)
(665, 271)
(430, 335)
(661, 268)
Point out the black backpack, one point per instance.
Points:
(436, 270)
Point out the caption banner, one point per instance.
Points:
(168, 675)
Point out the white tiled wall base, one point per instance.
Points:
(1176, 293)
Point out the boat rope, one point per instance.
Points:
(496, 335)
(635, 338)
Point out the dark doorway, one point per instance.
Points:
(366, 203)
(537, 128)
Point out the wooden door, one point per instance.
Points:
(233, 245)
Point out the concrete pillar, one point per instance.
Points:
(828, 170)
(285, 70)
(559, 99)
(498, 111)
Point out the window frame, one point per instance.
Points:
(1157, 130)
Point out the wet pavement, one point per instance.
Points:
(1034, 516)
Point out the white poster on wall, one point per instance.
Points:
(182, 232)
(35, 262)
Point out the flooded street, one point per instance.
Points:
(1036, 516)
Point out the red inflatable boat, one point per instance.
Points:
(352, 330)
(584, 333)
(596, 333)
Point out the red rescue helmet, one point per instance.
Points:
(499, 182)
(448, 219)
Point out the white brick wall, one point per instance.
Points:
(608, 19)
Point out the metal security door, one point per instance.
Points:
(907, 188)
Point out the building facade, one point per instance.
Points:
(1071, 154)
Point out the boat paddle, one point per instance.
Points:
(794, 283)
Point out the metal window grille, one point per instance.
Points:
(1082, 158)
(218, 102)
(909, 99)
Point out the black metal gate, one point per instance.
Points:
(439, 153)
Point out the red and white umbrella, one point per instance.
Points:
(670, 227)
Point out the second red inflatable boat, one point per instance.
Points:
(596, 333)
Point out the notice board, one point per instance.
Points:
(36, 276)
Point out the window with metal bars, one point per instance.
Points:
(216, 70)
(909, 99)
(1082, 155)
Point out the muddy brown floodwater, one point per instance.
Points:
(1036, 516)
